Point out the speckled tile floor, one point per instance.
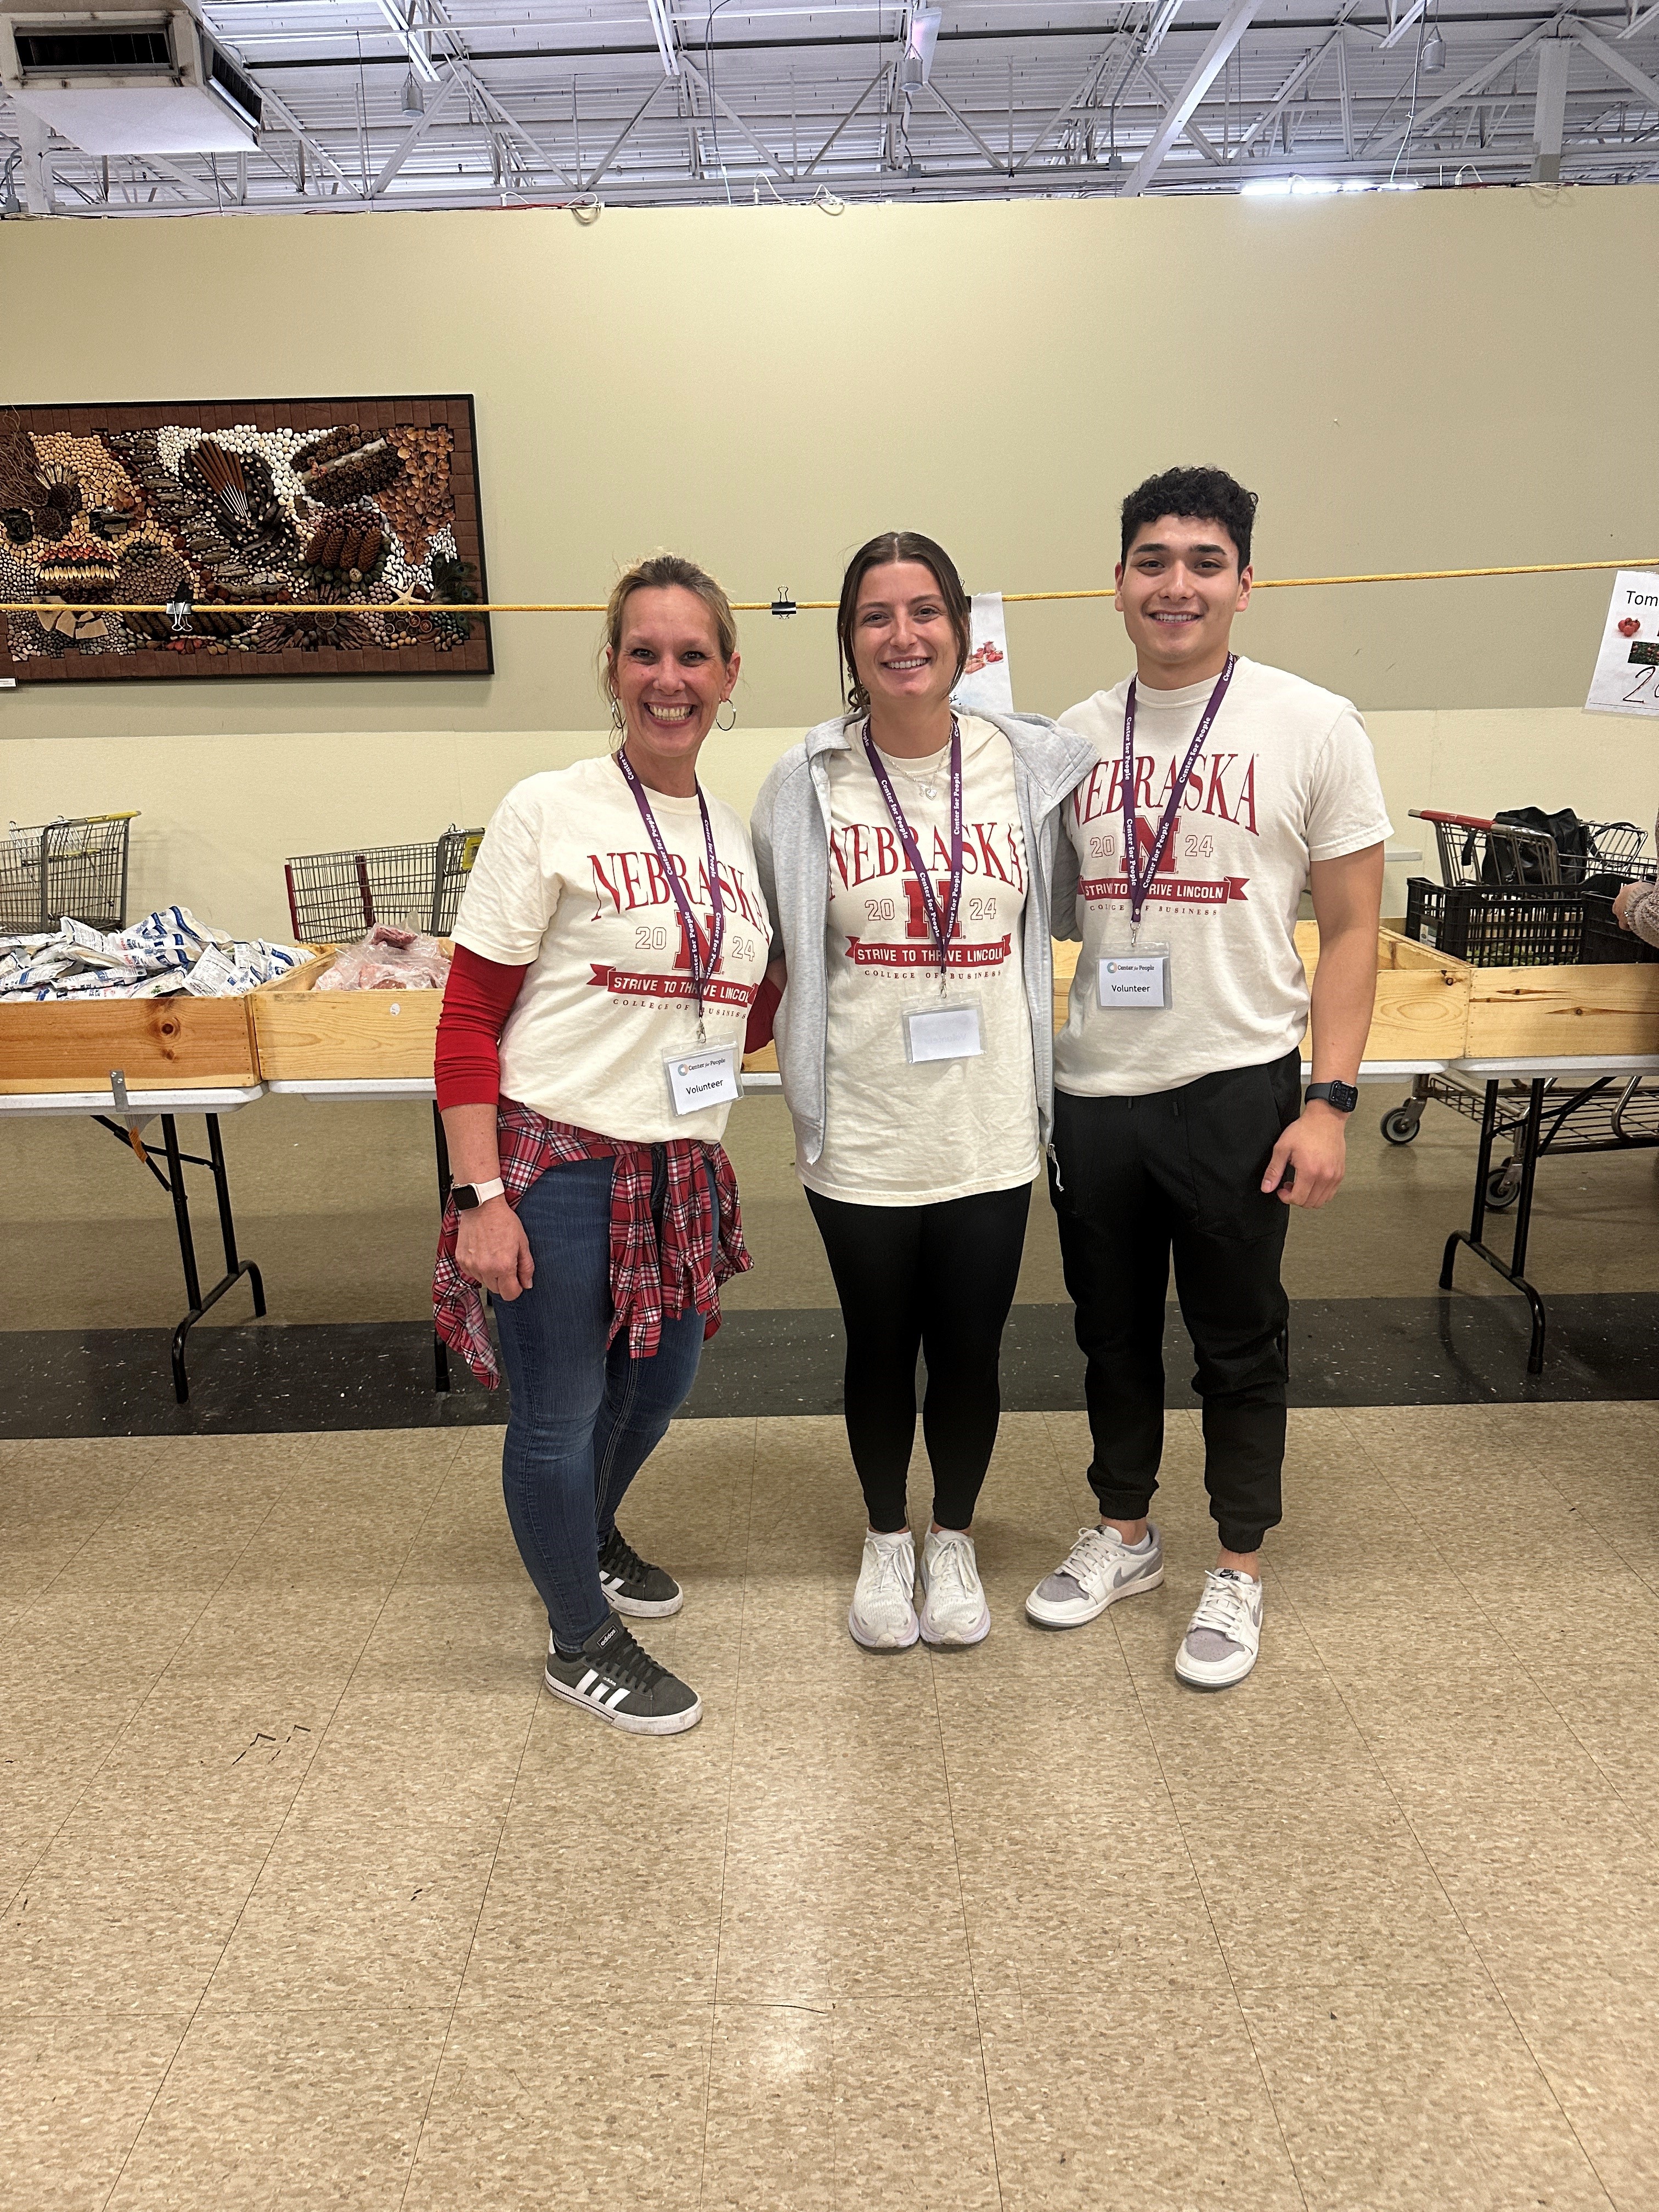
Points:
(311, 1897)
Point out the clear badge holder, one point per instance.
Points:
(703, 1075)
(943, 1029)
(1140, 979)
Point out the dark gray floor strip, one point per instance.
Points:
(261, 1378)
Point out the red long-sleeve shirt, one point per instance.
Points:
(478, 997)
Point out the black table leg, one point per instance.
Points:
(1473, 1236)
(174, 1183)
(235, 1268)
(440, 1144)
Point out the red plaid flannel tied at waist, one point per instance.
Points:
(701, 1245)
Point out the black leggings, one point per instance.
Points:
(940, 1278)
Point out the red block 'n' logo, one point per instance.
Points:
(916, 927)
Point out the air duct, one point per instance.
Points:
(126, 78)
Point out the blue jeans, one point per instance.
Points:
(582, 1418)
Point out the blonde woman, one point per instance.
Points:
(607, 946)
(907, 852)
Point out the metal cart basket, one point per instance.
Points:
(333, 897)
(74, 866)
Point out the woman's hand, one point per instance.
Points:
(492, 1248)
(1622, 903)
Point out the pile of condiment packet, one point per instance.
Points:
(166, 952)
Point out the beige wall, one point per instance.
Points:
(1429, 380)
(1414, 380)
(216, 825)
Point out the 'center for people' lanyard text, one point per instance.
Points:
(1139, 877)
(702, 969)
(941, 927)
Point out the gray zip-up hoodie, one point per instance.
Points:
(790, 827)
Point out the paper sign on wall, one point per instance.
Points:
(1626, 678)
(986, 685)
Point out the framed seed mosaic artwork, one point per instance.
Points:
(234, 518)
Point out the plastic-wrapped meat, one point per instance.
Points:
(388, 959)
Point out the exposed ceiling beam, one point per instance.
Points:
(1226, 35)
(1550, 109)
(591, 178)
(736, 120)
(1610, 57)
(997, 162)
(853, 110)
(411, 138)
(1638, 23)
(1458, 93)
(1091, 78)
(1400, 26)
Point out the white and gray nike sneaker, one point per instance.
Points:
(954, 1610)
(1100, 1568)
(611, 1678)
(882, 1616)
(1224, 1634)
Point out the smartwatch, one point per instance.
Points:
(466, 1195)
(1342, 1096)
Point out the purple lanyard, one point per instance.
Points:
(1140, 878)
(701, 970)
(942, 927)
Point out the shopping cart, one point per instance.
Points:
(1473, 850)
(74, 866)
(333, 897)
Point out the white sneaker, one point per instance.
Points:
(1100, 1568)
(881, 1616)
(1224, 1634)
(953, 1607)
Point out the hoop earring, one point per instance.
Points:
(720, 724)
(619, 726)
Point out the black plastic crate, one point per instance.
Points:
(1604, 942)
(1497, 925)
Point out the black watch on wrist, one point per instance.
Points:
(1343, 1096)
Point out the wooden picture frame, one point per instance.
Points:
(367, 508)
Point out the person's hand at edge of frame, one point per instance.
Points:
(1310, 1158)
(492, 1249)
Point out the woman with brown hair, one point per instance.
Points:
(609, 943)
(907, 850)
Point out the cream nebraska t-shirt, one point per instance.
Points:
(894, 1134)
(566, 882)
(1286, 777)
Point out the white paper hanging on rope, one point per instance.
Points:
(986, 685)
(1626, 678)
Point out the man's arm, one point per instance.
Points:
(1347, 901)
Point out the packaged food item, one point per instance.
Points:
(389, 959)
(167, 951)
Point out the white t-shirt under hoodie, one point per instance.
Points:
(1286, 777)
(566, 882)
(897, 1134)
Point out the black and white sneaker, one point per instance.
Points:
(632, 1585)
(617, 1682)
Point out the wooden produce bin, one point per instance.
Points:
(179, 1043)
(1422, 1008)
(335, 1037)
(1543, 1013)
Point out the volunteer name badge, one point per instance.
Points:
(948, 1032)
(705, 1076)
(1136, 979)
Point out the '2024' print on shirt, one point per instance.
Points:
(633, 884)
(1218, 787)
(870, 853)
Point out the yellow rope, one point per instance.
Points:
(755, 606)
